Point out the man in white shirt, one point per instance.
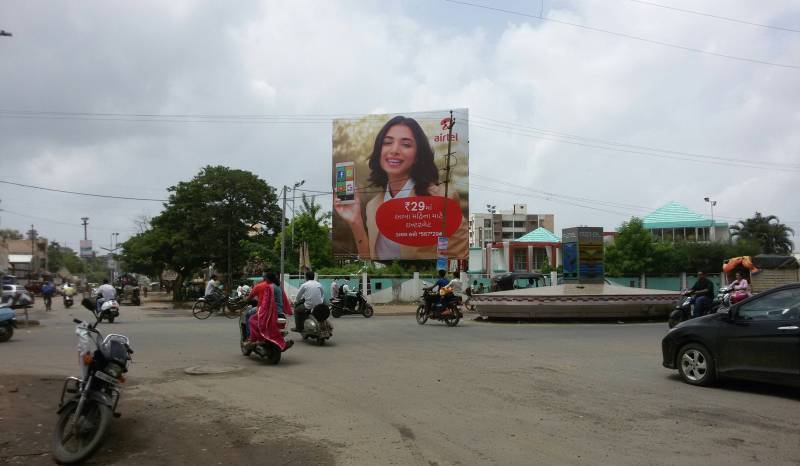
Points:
(104, 293)
(334, 289)
(310, 293)
(211, 286)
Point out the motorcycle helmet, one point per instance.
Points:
(310, 325)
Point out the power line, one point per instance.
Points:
(628, 36)
(83, 194)
(753, 165)
(724, 18)
(509, 127)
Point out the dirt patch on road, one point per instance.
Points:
(153, 430)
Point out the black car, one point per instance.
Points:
(758, 339)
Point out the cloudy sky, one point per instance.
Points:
(591, 126)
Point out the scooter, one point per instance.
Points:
(109, 309)
(317, 326)
(683, 311)
(351, 305)
(268, 350)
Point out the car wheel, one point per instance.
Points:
(696, 365)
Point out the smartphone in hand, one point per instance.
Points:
(346, 182)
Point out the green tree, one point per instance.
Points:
(214, 215)
(633, 251)
(59, 256)
(312, 226)
(767, 231)
(10, 233)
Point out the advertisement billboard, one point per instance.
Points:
(86, 248)
(392, 198)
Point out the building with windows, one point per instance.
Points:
(27, 258)
(529, 253)
(505, 225)
(675, 222)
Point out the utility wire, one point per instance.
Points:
(628, 36)
(492, 124)
(83, 194)
(724, 18)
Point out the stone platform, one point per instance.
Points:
(575, 301)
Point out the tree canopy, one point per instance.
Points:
(10, 233)
(767, 231)
(311, 226)
(218, 207)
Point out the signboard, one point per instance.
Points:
(86, 248)
(583, 254)
(389, 186)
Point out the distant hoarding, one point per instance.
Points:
(389, 186)
(86, 248)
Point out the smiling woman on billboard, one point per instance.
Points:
(403, 217)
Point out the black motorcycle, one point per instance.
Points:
(445, 309)
(91, 401)
(357, 304)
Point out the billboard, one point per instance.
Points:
(86, 248)
(391, 201)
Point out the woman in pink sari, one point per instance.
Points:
(264, 323)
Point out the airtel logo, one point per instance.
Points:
(445, 123)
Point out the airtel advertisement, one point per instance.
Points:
(391, 199)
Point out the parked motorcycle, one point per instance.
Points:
(269, 350)
(317, 326)
(8, 314)
(85, 414)
(357, 304)
(432, 308)
(8, 322)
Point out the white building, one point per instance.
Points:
(505, 225)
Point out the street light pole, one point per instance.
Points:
(711, 232)
(294, 189)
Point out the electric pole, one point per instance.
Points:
(447, 173)
(283, 238)
(85, 224)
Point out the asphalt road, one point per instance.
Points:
(388, 391)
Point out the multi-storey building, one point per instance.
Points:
(505, 225)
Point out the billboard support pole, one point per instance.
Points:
(283, 237)
(447, 172)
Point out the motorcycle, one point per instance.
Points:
(316, 326)
(217, 302)
(268, 349)
(8, 314)
(351, 305)
(432, 308)
(91, 401)
(683, 311)
(109, 309)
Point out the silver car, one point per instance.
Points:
(10, 290)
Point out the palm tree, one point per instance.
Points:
(768, 232)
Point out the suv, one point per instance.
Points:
(9, 290)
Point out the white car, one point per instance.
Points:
(9, 290)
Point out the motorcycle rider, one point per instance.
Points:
(104, 293)
(703, 292)
(334, 288)
(308, 297)
(741, 289)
